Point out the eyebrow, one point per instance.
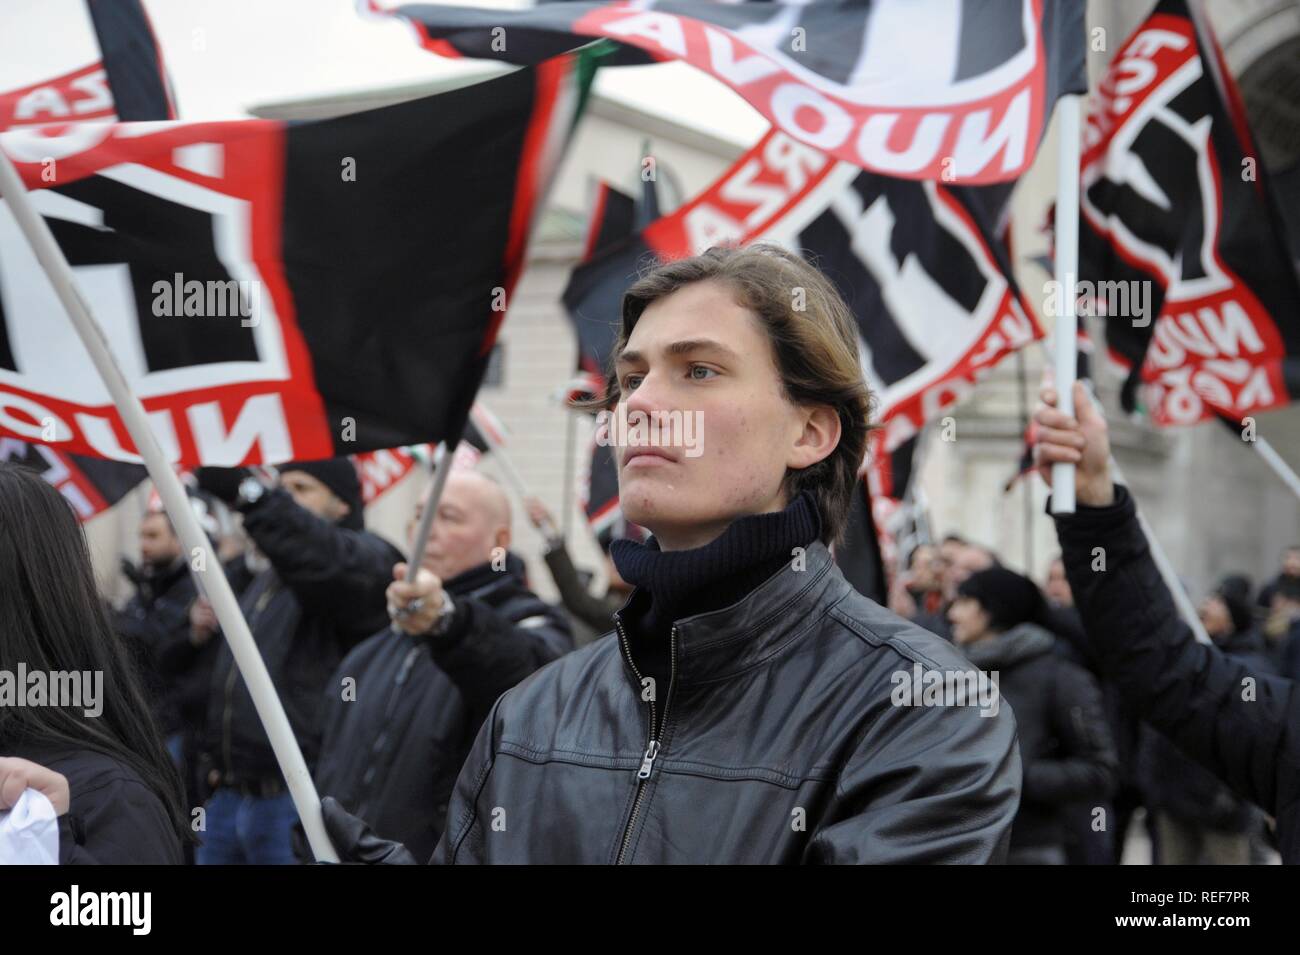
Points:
(685, 346)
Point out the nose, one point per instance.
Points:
(652, 395)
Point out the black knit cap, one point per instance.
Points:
(340, 476)
(1009, 599)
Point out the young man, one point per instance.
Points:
(745, 713)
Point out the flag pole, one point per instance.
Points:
(233, 625)
(508, 469)
(1279, 466)
(441, 466)
(1066, 271)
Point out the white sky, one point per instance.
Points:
(226, 56)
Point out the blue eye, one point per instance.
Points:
(630, 382)
(704, 368)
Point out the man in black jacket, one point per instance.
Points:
(404, 707)
(156, 618)
(999, 620)
(321, 595)
(747, 711)
(1241, 724)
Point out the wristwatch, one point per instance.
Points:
(251, 490)
(442, 623)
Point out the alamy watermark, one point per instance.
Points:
(1130, 300)
(210, 298)
(654, 429)
(62, 688)
(921, 687)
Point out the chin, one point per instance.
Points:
(654, 506)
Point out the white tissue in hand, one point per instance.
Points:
(29, 833)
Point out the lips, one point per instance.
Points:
(648, 457)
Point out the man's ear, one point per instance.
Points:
(818, 439)
(342, 507)
(502, 538)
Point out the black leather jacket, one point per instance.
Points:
(780, 743)
(391, 754)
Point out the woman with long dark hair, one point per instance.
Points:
(74, 724)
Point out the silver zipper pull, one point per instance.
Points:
(647, 761)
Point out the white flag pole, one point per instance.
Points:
(1278, 465)
(498, 452)
(233, 625)
(1066, 274)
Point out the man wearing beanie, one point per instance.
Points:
(322, 593)
(999, 620)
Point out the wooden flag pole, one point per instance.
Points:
(208, 567)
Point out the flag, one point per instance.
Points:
(923, 89)
(1179, 243)
(279, 291)
(930, 287)
(592, 301)
(90, 485)
(115, 70)
(101, 60)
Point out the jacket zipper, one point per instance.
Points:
(653, 746)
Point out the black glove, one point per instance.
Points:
(221, 483)
(356, 842)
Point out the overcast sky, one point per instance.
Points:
(226, 56)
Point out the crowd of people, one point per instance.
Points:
(727, 696)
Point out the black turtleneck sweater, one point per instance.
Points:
(674, 585)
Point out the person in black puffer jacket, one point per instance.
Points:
(390, 750)
(1241, 724)
(998, 621)
(321, 595)
(1199, 820)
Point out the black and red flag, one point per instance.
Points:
(99, 61)
(922, 89)
(114, 71)
(1177, 213)
(90, 485)
(277, 291)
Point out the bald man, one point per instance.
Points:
(405, 705)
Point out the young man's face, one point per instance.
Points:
(696, 350)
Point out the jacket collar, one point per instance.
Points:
(722, 643)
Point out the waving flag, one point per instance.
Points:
(90, 485)
(958, 90)
(1177, 215)
(277, 291)
(101, 62)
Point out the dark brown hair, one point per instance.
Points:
(815, 348)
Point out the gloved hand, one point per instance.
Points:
(356, 842)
